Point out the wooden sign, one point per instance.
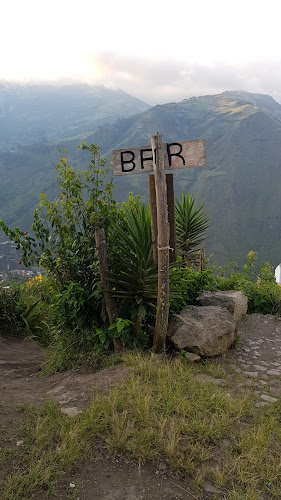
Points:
(157, 158)
(176, 155)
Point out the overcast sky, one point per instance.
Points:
(156, 50)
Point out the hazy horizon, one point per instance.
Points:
(154, 51)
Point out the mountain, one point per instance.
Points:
(31, 113)
(241, 184)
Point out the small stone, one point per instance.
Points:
(262, 403)
(251, 374)
(192, 357)
(71, 485)
(237, 370)
(71, 411)
(274, 363)
(19, 443)
(273, 372)
(260, 368)
(209, 488)
(267, 398)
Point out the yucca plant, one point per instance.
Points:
(191, 224)
(134, 275)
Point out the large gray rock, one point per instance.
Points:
(207, 331)
(235, 302)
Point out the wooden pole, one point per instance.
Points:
(105, 283)
(153, 212)
(162, 313)
(171, 216)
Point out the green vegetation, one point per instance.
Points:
(155, 416)
(191, 224)
(63, 243)
(26, 309)
(66, 307)
(162, 412)
(257, 283)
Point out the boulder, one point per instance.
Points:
(235, 302)
(206, 331)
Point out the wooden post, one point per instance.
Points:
(105, 283)
(153, 212)
(171, 216)
(162, 313)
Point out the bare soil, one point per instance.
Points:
(108, 477)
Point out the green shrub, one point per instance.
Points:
(64, 243)
(186, 284)
(26, 309)
(11, 321)
(257, 283)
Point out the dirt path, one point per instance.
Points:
(257, 356)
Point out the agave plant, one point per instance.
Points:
(191, 224)
(134, 275)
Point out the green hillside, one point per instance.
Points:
(240, 185)
(242, 181)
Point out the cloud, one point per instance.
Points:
(159, 81)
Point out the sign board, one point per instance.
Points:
(176, 155)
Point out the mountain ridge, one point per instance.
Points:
(240, 184)
(30, 113)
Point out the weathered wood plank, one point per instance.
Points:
(176, 155)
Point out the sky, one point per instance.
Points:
(158, 51)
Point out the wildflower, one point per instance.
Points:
(19, 262)
(137, 210)
(98, 199)
(25, 233)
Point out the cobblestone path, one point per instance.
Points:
(257, 356)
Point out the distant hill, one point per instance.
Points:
(241, 184)
(31, 113)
